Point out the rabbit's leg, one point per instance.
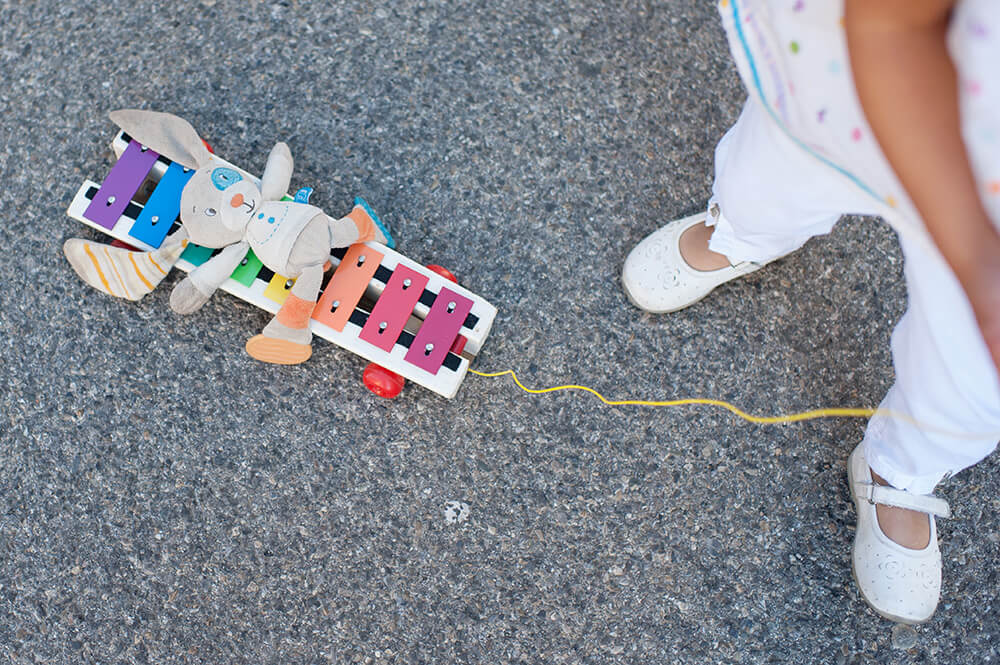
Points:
(287, 340)
(357, 226)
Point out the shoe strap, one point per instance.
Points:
(890, 496)
(752, 265)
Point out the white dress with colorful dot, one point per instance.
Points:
(792, 56)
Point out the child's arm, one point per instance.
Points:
(909, 91)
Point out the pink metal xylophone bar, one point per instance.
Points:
(378, 303)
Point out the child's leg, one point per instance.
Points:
(770, 196)
(944, 377)
(945, 380)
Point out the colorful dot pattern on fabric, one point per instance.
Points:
(794, 58)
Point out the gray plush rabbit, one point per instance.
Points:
(224, 208)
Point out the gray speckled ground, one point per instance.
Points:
(165, 499)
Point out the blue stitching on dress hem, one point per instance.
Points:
(737, 24)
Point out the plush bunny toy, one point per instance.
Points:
(224, 208)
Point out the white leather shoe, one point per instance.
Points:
(899, 583)
(656, 278)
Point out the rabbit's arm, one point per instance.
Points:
(277, 173)
(194, 290)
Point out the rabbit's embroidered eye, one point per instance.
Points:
(210, 212)
(223, 177)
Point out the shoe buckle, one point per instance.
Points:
(870, 493)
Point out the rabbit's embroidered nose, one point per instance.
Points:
(236, 201)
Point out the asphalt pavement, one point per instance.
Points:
(164, 498)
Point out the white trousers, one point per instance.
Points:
(771, 197)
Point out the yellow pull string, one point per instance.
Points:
(831, 412)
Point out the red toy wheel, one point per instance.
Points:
(381, 381)
(444, 272)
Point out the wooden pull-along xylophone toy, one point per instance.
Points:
(411, 321)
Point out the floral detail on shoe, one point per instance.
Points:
(671, 278)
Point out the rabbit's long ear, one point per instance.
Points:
(172, 137)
